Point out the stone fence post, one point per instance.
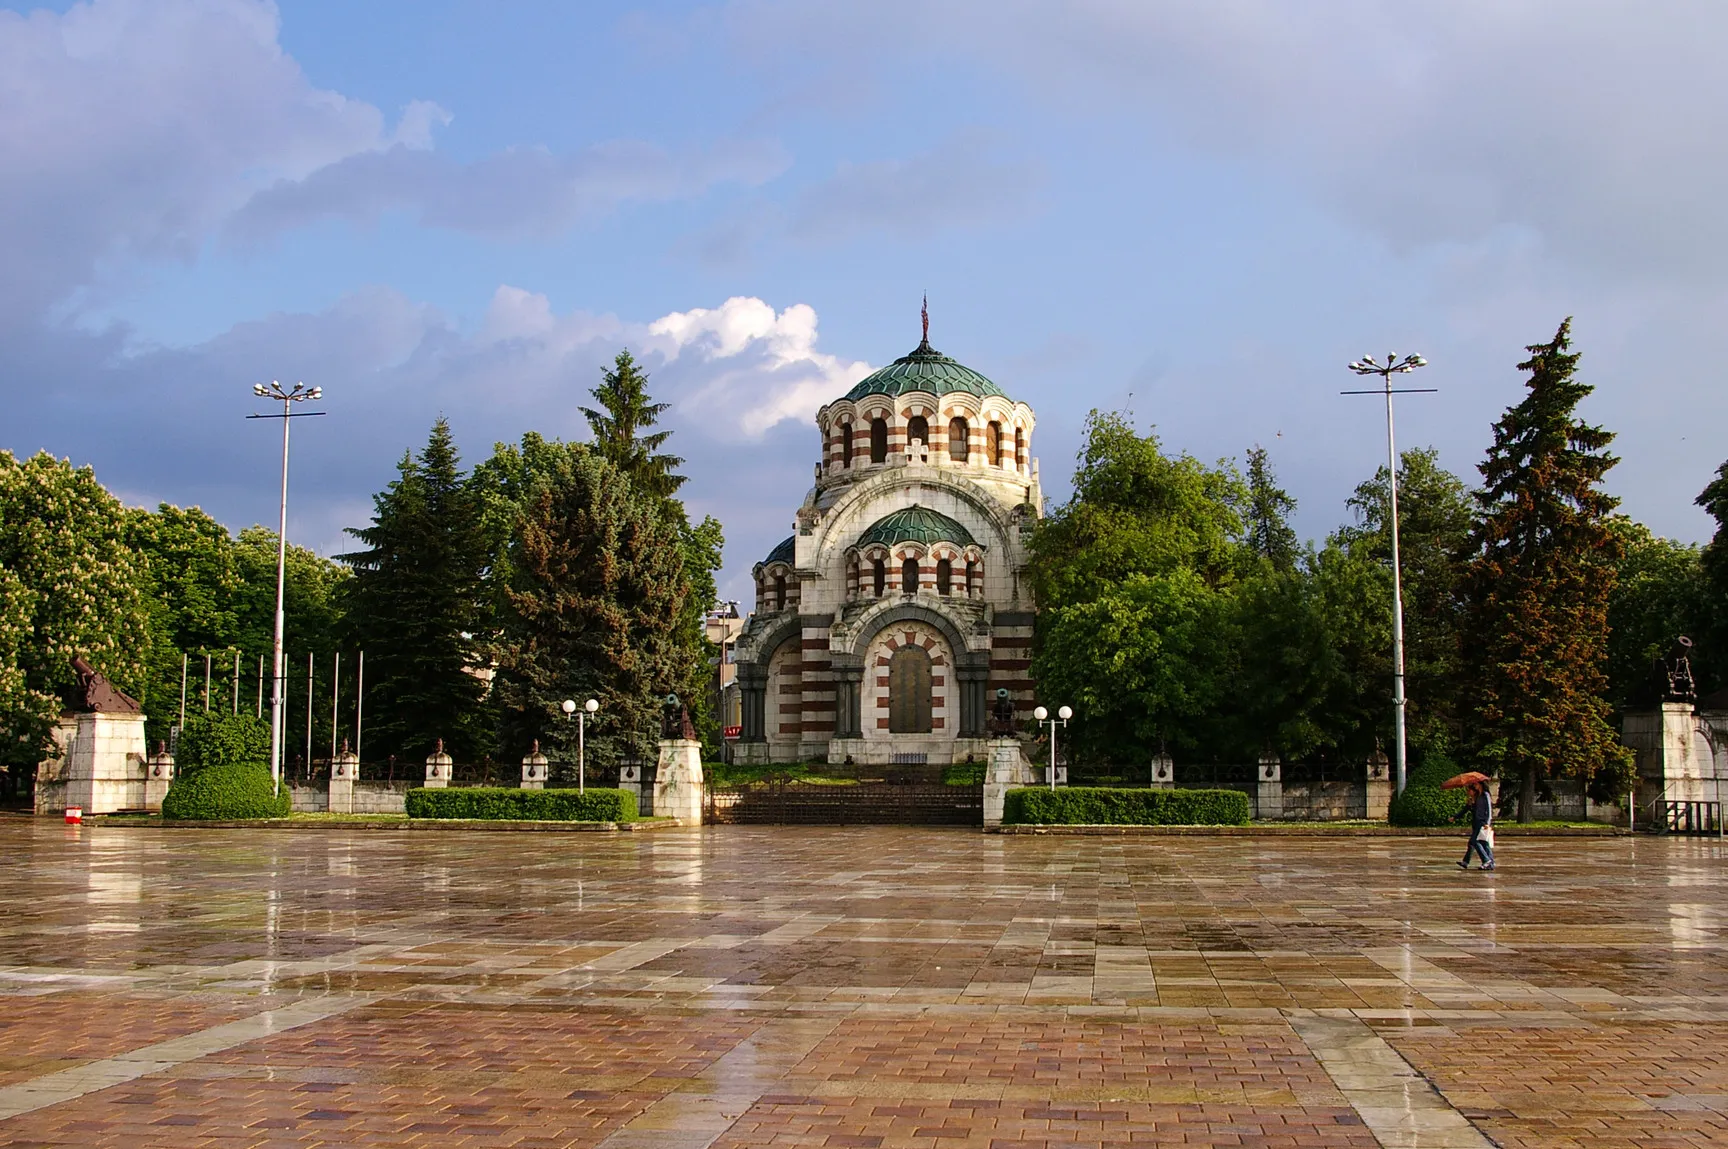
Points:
(344, 772)
(1269, 794)
(438, 767)
(534, 768)
(1163, 771)
(1379, 804)
(158, 776)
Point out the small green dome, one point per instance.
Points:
(782, 553)
(916, 524)
(925, 369)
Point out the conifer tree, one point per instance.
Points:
(1267, 514)
(626, 413)
(416, 603)
(1713, 609)
(1538, 587)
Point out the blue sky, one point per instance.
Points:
(1197, 211)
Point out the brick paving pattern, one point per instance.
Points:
(809, 986)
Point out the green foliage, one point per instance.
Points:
(497, 803)
(415, 602)
(1659, 594)
(231, 790)
(1423, 803)
(1536, 637)
(1088, 806)
(625, 413)
(1712, 606)
(71, 586)
(221, 740)
(1267, 515)
(963, 774)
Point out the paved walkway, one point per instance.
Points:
(745, 986)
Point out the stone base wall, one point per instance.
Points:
(99, 765)
(369, 798)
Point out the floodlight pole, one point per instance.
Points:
(1367, 365)
(298, 393)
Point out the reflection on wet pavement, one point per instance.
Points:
(745, 986)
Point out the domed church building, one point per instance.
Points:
(885, 623)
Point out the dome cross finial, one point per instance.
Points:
(924, 313)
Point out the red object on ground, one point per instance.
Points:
(74, 815)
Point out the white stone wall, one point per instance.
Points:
(100, 765)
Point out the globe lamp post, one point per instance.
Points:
(1061, 719)
(569, 708)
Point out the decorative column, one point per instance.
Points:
(1379, 786)
(630, 778)
(438, 767)
(344, 772)
(972, 669)
(1163, 771)
(534, 768)
(159, 775)
(1269, 797)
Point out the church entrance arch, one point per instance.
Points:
(909, 691)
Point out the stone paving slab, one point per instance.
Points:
(802, 986)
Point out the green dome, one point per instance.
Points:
(916, 524)
(782, 553)
(925, 369)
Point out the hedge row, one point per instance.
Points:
(513, 805)
(225, 791)
(1096, 806)
(1423, 803)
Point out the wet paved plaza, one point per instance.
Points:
(743, 986)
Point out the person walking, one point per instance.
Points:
(1481, 811)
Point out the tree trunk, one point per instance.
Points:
(1527, 796)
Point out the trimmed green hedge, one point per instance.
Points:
(221, 740)
(496, 803)
(225, 791)
(1423, 803)
(1096, 806)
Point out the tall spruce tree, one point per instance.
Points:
(595, 602)
(1538, 586)
(1267, 514)
(625, 413)
(416, 602)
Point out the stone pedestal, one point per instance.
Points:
(159, 775)
(438, 768)
(1675, 762)
(100, 765)
(1163, 772)
(1269, 791)
(344, 772)
(630, 779)
(534, 769)
(678, 781)
(1005, 770)
(1379, 803)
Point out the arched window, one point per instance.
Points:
(779, 592)
(944, 577)
(909, 691)
(1019, 447)
(993, 444)
(878, 440)
(851, 579)
(959, 439)
(917, 430)
(909, 576)
(879, 573)
(971, 578)
(845, 444)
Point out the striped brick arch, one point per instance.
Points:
(881, 706)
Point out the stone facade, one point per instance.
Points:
(883, 624)
(100, 765)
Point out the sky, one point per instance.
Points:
(1196, 213)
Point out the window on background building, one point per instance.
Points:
(845, 444)
(1019, 446)
(879, 572)
(971, 575)
(909, 576)
(917, 430)
(909, 691)
(959, 440)
(944, 577)
(878, 440)
(993, 444)
(779, 592)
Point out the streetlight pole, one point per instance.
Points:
(299, 393)
(1062, 717)
(1367, 365)
(568, 706)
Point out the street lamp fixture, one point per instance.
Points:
(299, 393)
(568, 706)
(1368, 365)
(1062, 716)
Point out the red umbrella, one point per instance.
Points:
(1467, 778)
